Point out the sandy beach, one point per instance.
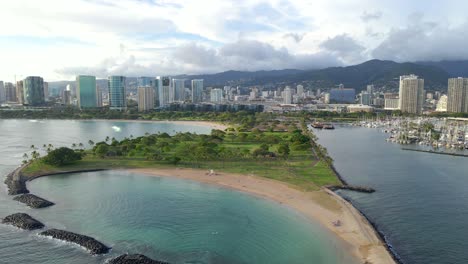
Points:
(322, 206)
(214, 125)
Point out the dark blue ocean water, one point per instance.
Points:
(169, 219)
(421, 203)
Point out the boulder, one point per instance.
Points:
(23, 221)
(33, 201)
(95, 247)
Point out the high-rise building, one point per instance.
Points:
(216, 95)
(365, 98)
(117, 93)
(442, 104)
(164, 87)
(392, 101)
(33, 91)
(98, 97)
(86, 91)
(19, 92)
(197, 91)
(10, 92)
(177, 92)
(287, 95)
(457, 99)
(145, 98)
(300, 91)
(342, 95)
(370, 89)
(2, 92)
(46, 91)
(411, 94)
(150, 82)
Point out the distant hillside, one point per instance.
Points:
(377, 72)
(453, 68)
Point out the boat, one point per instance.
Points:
(328, 126)
(317, 125)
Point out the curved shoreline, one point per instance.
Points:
(361, 237)
(321, 207)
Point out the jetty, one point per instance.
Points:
(22, 221)
(135, 259)
(95, 247)
(436, 152)
(33, 201)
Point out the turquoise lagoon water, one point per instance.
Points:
(170, 219)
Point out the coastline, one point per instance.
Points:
(323, 206)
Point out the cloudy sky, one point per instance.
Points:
(59, 39)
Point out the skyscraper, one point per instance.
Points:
(117, 93)
(153, 83)
(457, 100)
(19, 92)
(86, 91)
(33, 91)
(177, 93)
(287, 95)
(164, 86)
(216, 95)
(411, 94)
(145, 98)
(10, 92)
(2, 92)
(197, 91)
(300, 91)
(46, 91)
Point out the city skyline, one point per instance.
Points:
(138, 38)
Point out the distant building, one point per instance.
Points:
(392, 101)
(98, 97)
(66, 95)
(216, 95)
(457, 98)
(19, 92)
(342, 95)
(164, 87)
(2, 92)
(86, 93)
(365, 98)
(300, 91)
(287, 95)
(177, 93)
(33, 87)
(442, 104)
(145, 98)
(46, 91)
(411, 94)
(326, 98)
(117, 93)
(360, 108)
(370, 89)
(150, 82)
(10, 92)
(197, 91)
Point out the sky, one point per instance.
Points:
(59, 39)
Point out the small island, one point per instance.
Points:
(277, 160)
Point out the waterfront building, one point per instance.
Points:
(392, 101)
(216, 95)
(342, 95)
(145, 98)
(357, 108)
(287, 95)
(411, 94)
(33, 91)
(98, 97)
(10, 92)
(46, 91)
(86, 91)
(150, 82)
(19, 92)
(117, 93)
(177, 92)
(197, 91)
(442, 104)
(164, 87)
(2, 92)
(457, 98)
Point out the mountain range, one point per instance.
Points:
(381, 73)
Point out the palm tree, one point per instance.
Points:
(74, 145)
(91, 143)
(33, 147)
(107, 138)
(81, 145)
